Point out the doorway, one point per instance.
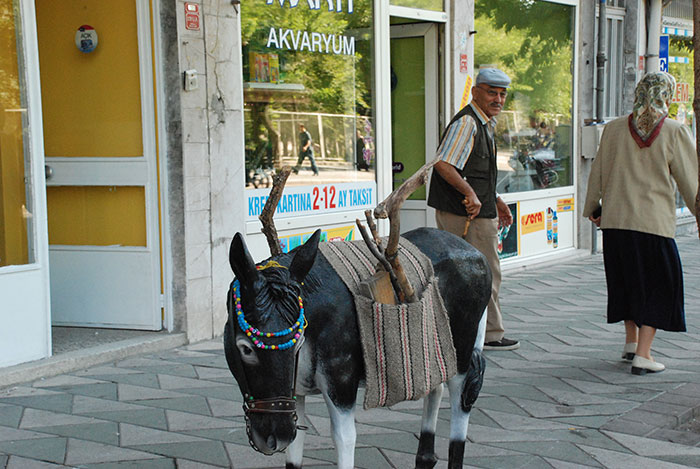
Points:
(414, 112)
(101, 164)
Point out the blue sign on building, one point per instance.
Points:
(663, 53)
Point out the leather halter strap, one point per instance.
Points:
(272, 405)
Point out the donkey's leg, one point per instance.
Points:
(344, 432)
(426, 457)
(295, 451)
(464, 389)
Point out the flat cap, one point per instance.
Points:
(493, 77)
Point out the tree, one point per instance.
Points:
(533, 43)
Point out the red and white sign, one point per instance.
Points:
(86, 38)
(532, 222)
(463, 63)
(191, 16)
(682, 94)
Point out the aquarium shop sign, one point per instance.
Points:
(290, 39)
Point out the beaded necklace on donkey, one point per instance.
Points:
(251, 331)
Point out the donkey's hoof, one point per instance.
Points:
(426, 461)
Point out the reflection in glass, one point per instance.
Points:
(16, 223)
(532, 41)
(312, 68)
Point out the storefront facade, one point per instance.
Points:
(141, 153)
(289, 74)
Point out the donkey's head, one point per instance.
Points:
(262, 338)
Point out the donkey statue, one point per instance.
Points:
(292, 331)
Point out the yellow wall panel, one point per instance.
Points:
(91, 101)
(97, 215)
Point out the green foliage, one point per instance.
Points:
(532, 41)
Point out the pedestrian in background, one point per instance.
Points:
(306, 149)
(631, 196)
(362, 162)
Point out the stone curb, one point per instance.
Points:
(85, 358)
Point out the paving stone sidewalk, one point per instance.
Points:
(563, 400)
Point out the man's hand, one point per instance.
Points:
(505, 218)
(596, 221)
(472, 205)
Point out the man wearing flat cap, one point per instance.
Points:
(463, 186)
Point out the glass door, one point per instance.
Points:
(24, 296)
(414, 112)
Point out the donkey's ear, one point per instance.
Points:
(241, 261)
(304, 257)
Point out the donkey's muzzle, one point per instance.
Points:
(271, 424)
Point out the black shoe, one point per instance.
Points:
(503, 344)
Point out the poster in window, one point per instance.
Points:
(508, 236)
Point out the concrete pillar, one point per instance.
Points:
(586, 98)
(205, 161)
(653, 33)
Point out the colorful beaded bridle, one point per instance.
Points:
(256, 335)
(273, 405)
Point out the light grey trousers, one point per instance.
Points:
(483, 235)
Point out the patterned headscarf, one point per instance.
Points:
(651, 99)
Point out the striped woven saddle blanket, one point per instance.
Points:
(407, 348)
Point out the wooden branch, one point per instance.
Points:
(268, 224)
(390, 209)
(373, 229)
(370, 242)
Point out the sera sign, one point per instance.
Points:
(682, 94)
(532, 222)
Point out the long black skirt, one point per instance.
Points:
(645, 279)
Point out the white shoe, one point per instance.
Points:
(628, 351)
(642, 366)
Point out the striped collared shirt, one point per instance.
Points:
(459, 140)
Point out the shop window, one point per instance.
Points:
(16, 217)
(312, 68)
(532, 41)
(434, 5)
(681, 66)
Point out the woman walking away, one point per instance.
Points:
(631, 196)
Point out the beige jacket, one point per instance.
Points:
(636, 184)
